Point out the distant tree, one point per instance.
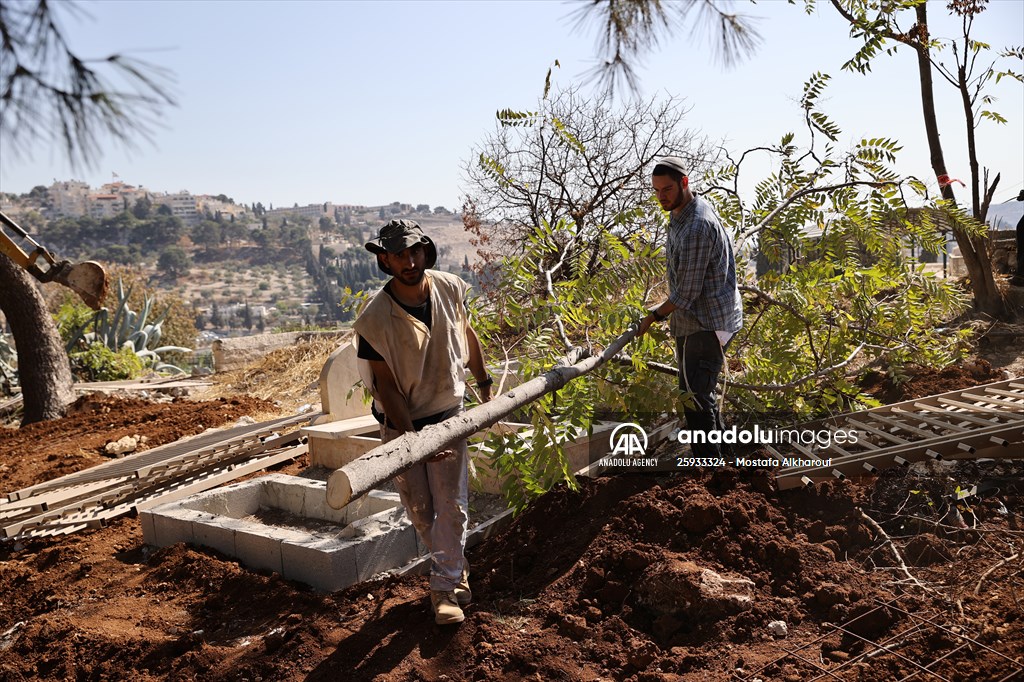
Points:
(164, 209)
(174, 261)
(118, 253)
(233, 232)
(143, 207)
(441, 210)
(206, 234)
(121, 227)
(223, 198)
(247, 316)
(326, 254)
(39, 194)
(423, 208)
(216, 317)
(158, 232)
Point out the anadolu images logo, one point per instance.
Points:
(628, 440)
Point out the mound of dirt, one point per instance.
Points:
(47, 450)
(922, 382)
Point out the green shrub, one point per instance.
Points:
(99, 363)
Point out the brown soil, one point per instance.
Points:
(918, 383)
(600, 583)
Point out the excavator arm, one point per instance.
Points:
(86, 279)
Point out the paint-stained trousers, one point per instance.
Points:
(436, 498)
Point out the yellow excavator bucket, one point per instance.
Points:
(87, 279)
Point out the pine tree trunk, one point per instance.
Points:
(43, 368)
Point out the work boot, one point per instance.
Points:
(463, 594)
(446, 608)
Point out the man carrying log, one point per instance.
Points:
(416, 338)
(704, 305)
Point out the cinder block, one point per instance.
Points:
(388, 540)
(333, 453)
(314, 505)
(176, 526)
(284, 495)
(234, 501)
(259, 551)
(220, 534)
(378, 501)
(325, 564)
(375, 534)
(148, 529)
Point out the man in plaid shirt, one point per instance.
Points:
(704, 301)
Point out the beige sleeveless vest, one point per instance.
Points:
(429, 365)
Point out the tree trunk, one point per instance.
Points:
(386, 461)
(43, 368)
(987, 297)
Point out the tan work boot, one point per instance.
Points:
(446, 608)
(463, 594)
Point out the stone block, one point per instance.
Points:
(331, 453)
(391, 544)
(338, 378)
(169, 529)
(325, 564)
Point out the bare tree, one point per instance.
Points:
(575, 159)
(49, 94)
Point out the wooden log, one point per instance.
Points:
(392, 458)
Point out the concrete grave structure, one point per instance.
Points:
(283, 524)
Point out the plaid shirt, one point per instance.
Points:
(702, 272)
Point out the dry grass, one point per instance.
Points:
(288, 376)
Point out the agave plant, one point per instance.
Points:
(8, 372)
(125, 328)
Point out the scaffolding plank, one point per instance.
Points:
(234, 471)
(166, 452)
(1008, 394)
(942, 424)
(994, 401)
(981, 408)
(963, 416)
(906, 427)
(878, 432)
(947, 446)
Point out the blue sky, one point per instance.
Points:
(374, 102)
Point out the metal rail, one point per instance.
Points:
(982, 421)
(91, 497)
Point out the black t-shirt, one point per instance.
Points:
(421, 312)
